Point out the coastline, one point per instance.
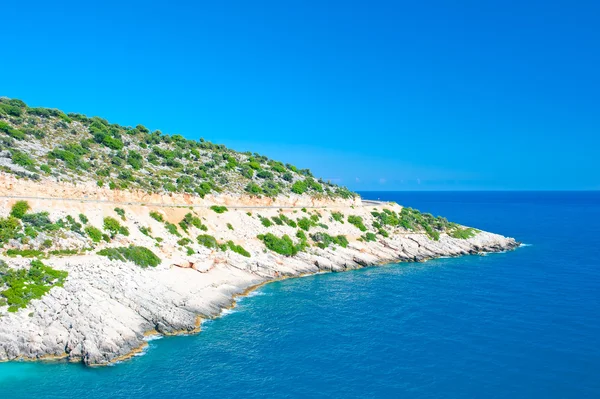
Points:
(106, 309)
(153, 333)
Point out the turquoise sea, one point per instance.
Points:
(520, 324)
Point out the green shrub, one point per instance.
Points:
(191, 220)
(135, 159)
(120, 212)
(171, 228)
(277, 220)
(238, 249)
(264, 174)
(26, 253)
(207, 240)
(157, 216)
(61, 252)
(141, 256)
(229, 226)
(369, 237)
(21, 159)
(39, 220)
(12, 132)
(253, 188)
(219, 209)
(301, 235)
(357, 221)
(463, 233)
(19, 209)
(94, 233)
(266, 222)
(305, 223)
(25, 285)
(313, 185)
(288, 221)
(283, 246)
(299, 187)
(83, 218)
(323, 240)
(112, 225)
(338, 216)
(184, 241)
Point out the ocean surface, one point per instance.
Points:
(521, 324)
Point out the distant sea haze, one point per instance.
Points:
(520, 324)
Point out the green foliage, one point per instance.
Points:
(12, 132)
(21, 159)
(171, 228)
(238, 249)
(82, 218)
(141, 256)
(157, 216)
(288, 221)
(72, 160)
(25, 285)
(266, 222)
(63, 252)
(219, 209)
(26, 253)
(323, 240)
(135, 159)
(283, 246)
(299, 187)
(120, 212)
(19, 209)
(313, 185)
(146, 231)
(230, 227)
(338, 216)
(149, 163)
(412, 219)
(369, 237)
(191, 220)
(301, 235)
(463, 233)
(112, 225)
(184, 241)
(8, 109)
(357, 221)
(207, 240)
(264, 174)
(277, 220)
(305, 223)
(253, 189)
(94, 233)
(40, 221)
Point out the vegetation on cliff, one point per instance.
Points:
(20, 286)
(40, 143)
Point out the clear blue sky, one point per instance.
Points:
(375, 95)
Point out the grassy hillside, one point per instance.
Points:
(41, 143)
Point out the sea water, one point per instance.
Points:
(520, 324)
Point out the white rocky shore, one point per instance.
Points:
(106, 309)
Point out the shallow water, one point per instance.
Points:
(518, 324)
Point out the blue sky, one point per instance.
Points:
(375, 95)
